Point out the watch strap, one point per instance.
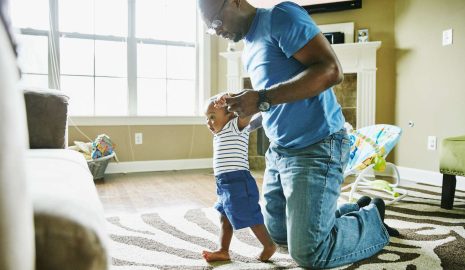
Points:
(262, 96)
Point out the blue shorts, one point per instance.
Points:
(238, 199)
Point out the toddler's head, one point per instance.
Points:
(217, 118)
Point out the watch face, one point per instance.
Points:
(264, 106)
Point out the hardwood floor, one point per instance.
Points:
(146, 192)
(143, 192)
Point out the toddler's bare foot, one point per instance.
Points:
(219, 255)
(267, 253)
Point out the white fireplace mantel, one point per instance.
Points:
(357, 58)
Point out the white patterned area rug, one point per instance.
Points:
(431, 238)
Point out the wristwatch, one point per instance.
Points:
(263, 101)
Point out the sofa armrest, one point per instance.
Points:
(47, 118)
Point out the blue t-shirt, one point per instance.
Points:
(275, 35)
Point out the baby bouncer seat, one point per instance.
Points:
(369, 148)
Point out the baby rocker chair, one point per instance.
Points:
(369, 148)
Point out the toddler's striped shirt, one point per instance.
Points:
(230, 149)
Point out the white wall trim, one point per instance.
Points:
(159, 165)
(427, 177)
(204, 59)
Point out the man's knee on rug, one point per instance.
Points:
(303, 257)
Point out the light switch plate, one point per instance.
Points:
(432, 143)
(447, 37)
(138, 138)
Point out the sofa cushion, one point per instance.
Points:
(452, 156)
(47, 116)
(68, 215)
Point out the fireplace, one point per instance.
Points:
(357, 94)
(346, 94)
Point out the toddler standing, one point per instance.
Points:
(236, 188)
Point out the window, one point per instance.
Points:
(115, 57)
(34, 23)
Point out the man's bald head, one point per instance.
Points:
(235, 16)
(209, 9)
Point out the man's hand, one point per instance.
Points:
(243, 103)
(220, 101)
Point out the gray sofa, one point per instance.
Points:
(50, 214)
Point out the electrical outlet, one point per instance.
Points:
(447, 37)
(138, 138)
(432, 143)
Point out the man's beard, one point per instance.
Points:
(236, 37)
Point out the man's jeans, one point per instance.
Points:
(301, 188)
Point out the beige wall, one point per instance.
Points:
(159, 142)
(430, 77)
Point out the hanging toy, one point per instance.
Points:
(380, 163)
(102, 146)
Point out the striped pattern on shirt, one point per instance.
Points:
(230, 149)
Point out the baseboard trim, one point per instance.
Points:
(159, 165)
(427, 177)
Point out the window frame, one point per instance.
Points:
(202, 78)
